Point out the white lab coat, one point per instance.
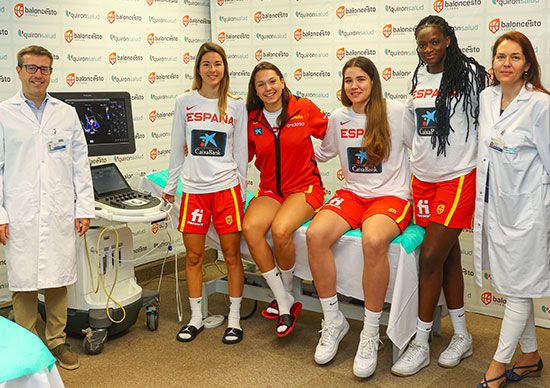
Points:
(42, 192)
(516, 245)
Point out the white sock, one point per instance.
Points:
(371, 322)
(458, 319)
(287, 276)
(234, 317)
(196, 312)
(331, 312)
(423, 330)
(284, 299)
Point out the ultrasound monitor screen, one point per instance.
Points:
(106, 118)
(107, 179)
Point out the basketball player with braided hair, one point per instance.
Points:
(443, 105)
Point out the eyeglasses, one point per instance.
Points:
(32, 69)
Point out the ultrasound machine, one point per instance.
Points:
(106, 298)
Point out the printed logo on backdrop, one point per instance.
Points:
(5, 78)
(151, 2)
(162, 20)
(315, 54)
(79, 15)
(153, 38)
(521, 3)
(399, 53)
(312, 95)
(128, 158)
(113, 16)
(118, 38)
(272, 36)
(339, 94)
(233, 19)
(186, 20)
(137, 97)
(342, 53)
(404, 8)
(197, 3)
(260, 16)
(389, 30)
(72, 79)
(153, 77)
(300, 74)
(361, 32)
(395, 96)
(389, 73)
(498, 24)
(238, 56)
(36, 35)
(340, 174)
(545, 309)
(270, 55)
(300, 34)
(208, 143)
(124, 58)
(155, 115)
(311, 14)
(342, 11)
(230, 37)
(70, 35)
(163, 58)
(84, 58)
(126, 78)
(488, 298)
(160, 135)
(449, 5)
(21, 10)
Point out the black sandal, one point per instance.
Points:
(191, 330)
(511, 374)
(273, 305)
(232, 332)
(289, 320)
(485, 382)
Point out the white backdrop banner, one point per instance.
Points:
(311, 40)
(144, 47)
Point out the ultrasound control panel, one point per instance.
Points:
(111, 189)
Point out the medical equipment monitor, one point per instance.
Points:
(108, 180)
(106, 118)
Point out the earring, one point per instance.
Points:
(525, 74)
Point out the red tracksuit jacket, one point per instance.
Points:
(285, 160)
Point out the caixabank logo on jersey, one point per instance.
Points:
(350, 11)
(78, 58)
(498, 25)
(163, 58)
(358, 161)
(71, 36)
(392, 30)
(72, 79)
(114, 16)
(425, 121)
(311, 34)
(122, 58)
(453, 5)
(81, 15)
(36, 34)
(391, 73)
(153, 38)
(271, 36)
(21, 10)
(273, 17)
(353, 32)
(520, 3)
(162, 20)
(187, 20)
(232, 19)
(343, 53)
(403, 9)
(126, 38)
(269, 55)
(301, 74)
(232, 37)
(159, 78)
(208, 143)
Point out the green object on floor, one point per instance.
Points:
(21, 352)
(410, 239)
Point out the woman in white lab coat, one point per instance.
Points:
(512, 216)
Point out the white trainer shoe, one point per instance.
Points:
(366, 357)
(459, 348)
(416, 357)
(332, 333)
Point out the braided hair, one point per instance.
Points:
(462, 80)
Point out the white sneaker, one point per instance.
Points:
(364, 363)
(332, 333)
(415, 358)
(459, 348)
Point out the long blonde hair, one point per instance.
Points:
(223, 90)
(377, 138)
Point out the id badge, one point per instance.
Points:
(497, 144)
(59, 145)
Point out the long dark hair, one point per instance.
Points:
(223, 90)
(377, 138)
(462, 80)
(254, 102)
(533, 74)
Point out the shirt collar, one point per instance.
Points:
(31, 103)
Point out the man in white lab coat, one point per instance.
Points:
(46, 198)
